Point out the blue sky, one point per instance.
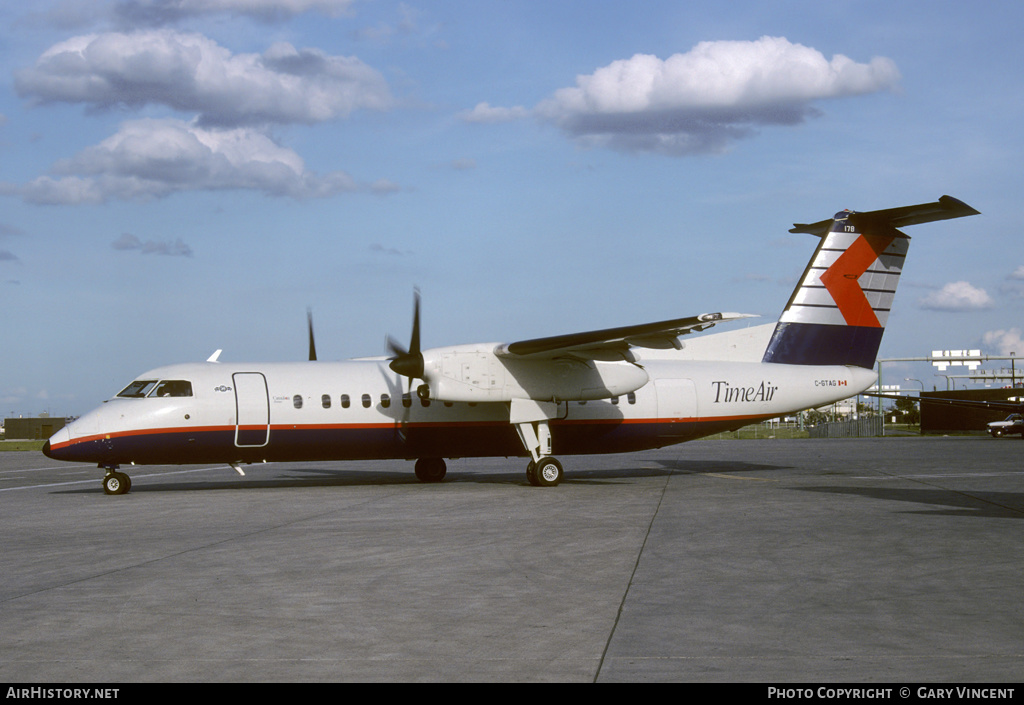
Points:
(185, 175)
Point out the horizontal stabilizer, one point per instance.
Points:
(945, 208)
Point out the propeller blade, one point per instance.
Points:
(409, 363)
(395, 348)
(414, 344)
(312, 344)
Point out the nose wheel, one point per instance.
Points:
(115, 482)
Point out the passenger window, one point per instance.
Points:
(385, 401)
(138, 388)
(297, 401)
(615, 401)
(345, 401)
(366, 401)
(631, 397)
(326, 401)
(407, 400)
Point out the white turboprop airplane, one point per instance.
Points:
(583, 393)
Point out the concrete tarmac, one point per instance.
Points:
(875, 560)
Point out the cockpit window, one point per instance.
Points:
(138, 388)
(172, 388)
(154, 388)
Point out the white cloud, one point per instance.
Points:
(192, 73)
(163, 11)
(387, 250)
(957, 296)
(703, 100)
(75, 14)
(15, 395)
(1014, 285)
(155, 158)
(486, 113)
(127, 241)
(1005, 341)
(384, 187)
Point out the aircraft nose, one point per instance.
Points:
(55, 441)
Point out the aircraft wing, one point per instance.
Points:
(945, 208)
(614, 343)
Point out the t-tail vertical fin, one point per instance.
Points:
(838, 311)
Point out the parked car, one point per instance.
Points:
(1014, 423)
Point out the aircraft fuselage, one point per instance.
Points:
(360, 409)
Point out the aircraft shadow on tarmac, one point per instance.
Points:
(322, 477)
(1003, 505)
(704, 467)
(314, 476)
(989, 505)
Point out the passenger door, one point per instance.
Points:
(252, 410)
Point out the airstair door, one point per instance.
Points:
(252, 410)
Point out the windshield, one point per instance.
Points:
(172, 388)
(154, 388)
(138, 388)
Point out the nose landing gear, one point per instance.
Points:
(116, 482)
(546, 472)
(531, 419)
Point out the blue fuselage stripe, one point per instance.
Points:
(322, 443)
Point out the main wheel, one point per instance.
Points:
(430, 469)
(116, 483)
(548, 472)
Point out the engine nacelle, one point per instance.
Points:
(475, 374)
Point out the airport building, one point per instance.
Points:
(33, 428)
(942, 418)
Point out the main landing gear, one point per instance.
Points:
(430, 469)
(116, 482)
